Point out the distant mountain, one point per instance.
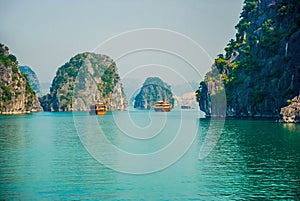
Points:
(32, 78)
(153, 90)
(86, 79)
(16, 94)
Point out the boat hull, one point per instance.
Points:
(101, 112)
(162, 109)
(162, 106)
(94, 112)
(185, 107)
(98, 109)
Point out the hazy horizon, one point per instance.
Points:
(45, 35)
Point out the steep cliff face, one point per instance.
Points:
(86, 79)
(203, 99)
(32, 78)
(153, 90)
(260, 69)
(16, 94)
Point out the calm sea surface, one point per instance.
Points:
(42, 157)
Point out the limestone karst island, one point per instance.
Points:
(150, 100)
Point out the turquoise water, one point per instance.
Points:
(42, 158)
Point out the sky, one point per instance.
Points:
(46, 34)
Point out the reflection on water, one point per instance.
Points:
(291, 127)
(41, 157)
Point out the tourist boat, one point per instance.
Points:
(162, 106)
(98, 109)
(186, 107)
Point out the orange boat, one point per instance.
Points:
(98, 109)
(162, 106)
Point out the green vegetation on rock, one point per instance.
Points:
(260, 69)
(89, 77)
(16, 94)
(6, 94)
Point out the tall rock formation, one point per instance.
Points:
(86, 79)
(153, 90)
(32, 78)
(260, 70)
(16, 94)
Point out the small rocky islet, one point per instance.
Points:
(291, 113)
(153, 90)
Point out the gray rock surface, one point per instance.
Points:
(203, 98)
